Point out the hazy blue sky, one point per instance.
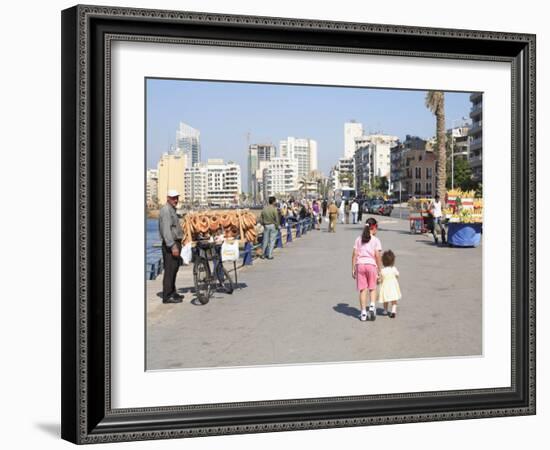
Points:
(225, 112)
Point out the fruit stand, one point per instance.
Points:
(464, 218)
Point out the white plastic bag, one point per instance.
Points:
(230, 251)
(186, 253)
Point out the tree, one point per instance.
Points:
(435, 102)
(374, 190)
(462, 174)
(323, 187)
(303, 185)
(346, 178)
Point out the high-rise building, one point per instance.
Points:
(346, 173)
(280, 176)
(257, 153)
(352, 130)
(196, 184)
(459, 142)
(303, 151)
(151, 188)
(188, 143)
(476, 136)
(258, 193)
(171, 175)
(373, 158)
(224, 182)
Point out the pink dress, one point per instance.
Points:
(365, 260)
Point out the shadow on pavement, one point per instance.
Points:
(430, 242)
(347, 310)
(396, 231)
(352, 311)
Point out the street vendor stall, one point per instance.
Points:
(420, 219)
(464, 218)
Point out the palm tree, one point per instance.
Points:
(435, 102)
(303, 185)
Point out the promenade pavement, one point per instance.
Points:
(302, 307)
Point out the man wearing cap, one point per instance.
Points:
(171, 234)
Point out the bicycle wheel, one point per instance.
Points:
(201, 277)
(225, 279)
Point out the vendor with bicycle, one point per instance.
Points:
(171, 234)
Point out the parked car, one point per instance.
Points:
(377, 206)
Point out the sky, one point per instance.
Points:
(226, 112)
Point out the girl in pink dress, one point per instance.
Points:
(365, 268)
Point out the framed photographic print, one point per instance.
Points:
(278, 224)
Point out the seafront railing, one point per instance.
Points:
(287, 233)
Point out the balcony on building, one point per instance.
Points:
(476, 96)
(476, 111)
(476, 144)
(476, 127)
(475, 161)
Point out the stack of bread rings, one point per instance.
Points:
(233, 224)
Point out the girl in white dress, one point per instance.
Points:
(389, 286)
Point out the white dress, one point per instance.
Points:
(389, 287)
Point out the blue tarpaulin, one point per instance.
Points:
(464, 234)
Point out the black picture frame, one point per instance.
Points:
(87, 415)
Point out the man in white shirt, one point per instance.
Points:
(437, 213)
(354, 211)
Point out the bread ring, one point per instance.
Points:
(204, 224)
(234, 220)
(214, 223)
(225, 220)
(195, 222)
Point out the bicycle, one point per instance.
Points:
(208, 280)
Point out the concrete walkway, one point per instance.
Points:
(302, 307)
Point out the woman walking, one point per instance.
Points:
(366, 264)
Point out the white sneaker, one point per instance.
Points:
(363, 317)
(372, 314)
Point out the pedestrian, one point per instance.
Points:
(390, 293)
(341, 210)
(269, 218)
(283, 214)
(436, 211)
(347, 208)
(332, 216)
(365, 268)
(316, 213)
(171, 234)
(324, 205)
(360, 213)
(354, 211)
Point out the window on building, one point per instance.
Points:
(418, 172)
(428, 172)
